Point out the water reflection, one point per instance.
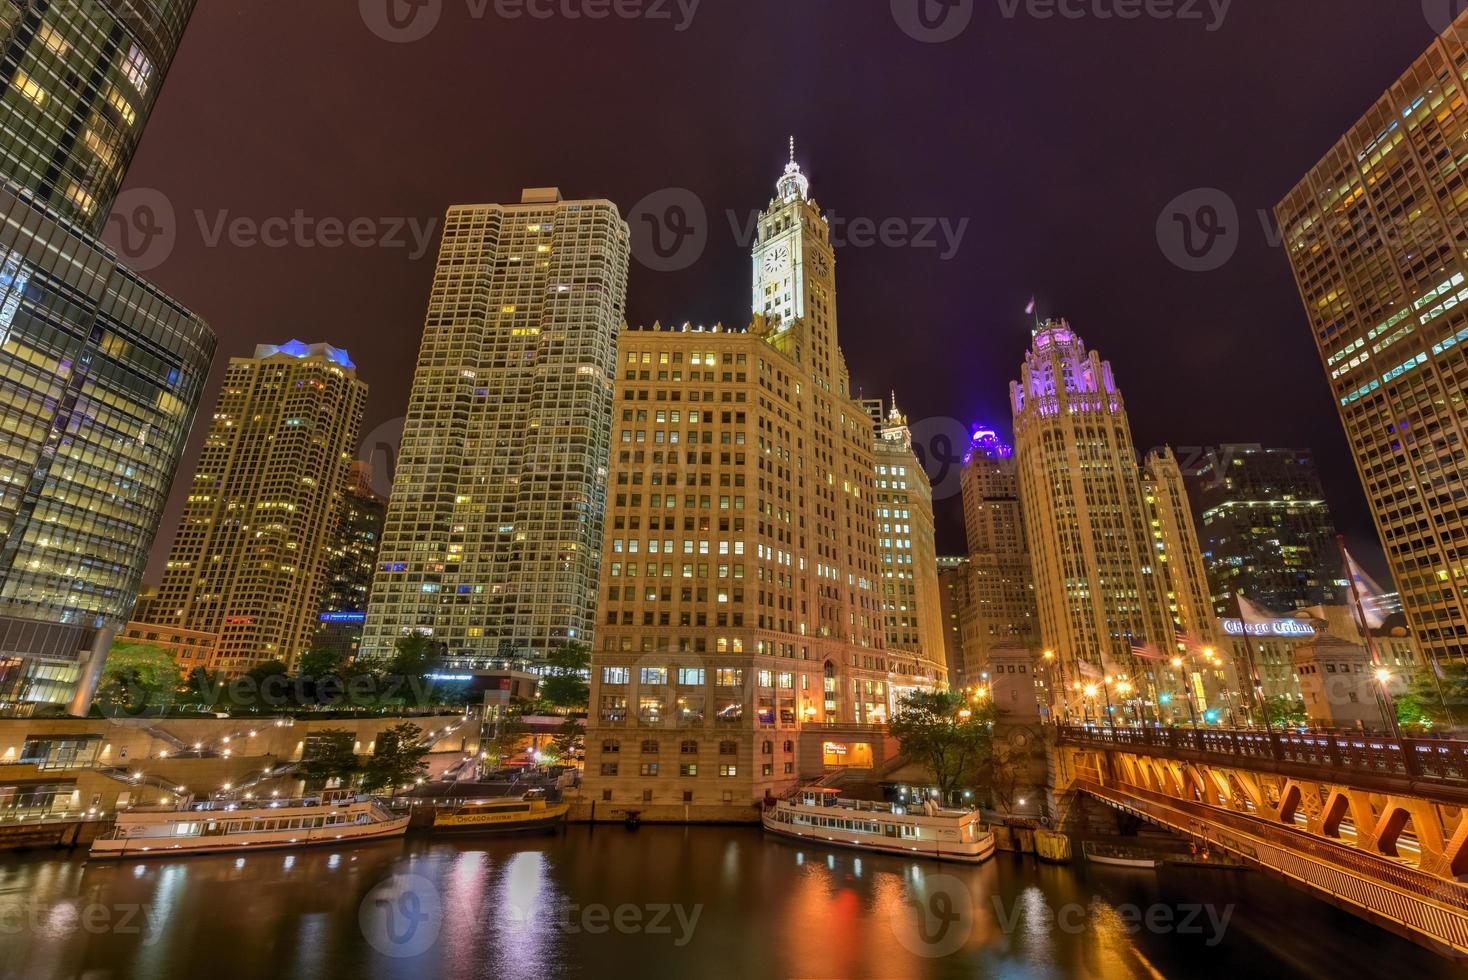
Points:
(667, 902)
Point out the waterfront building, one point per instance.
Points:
(741, 591)
(248, 563)
(351, 560)
(1118, 573)
(1375, 234)
(1266, 530)
(1002, 591)
(955, 594)
(189, 648)
(493, 536)
(102, 372)
(908, 552)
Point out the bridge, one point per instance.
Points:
(1375, 824)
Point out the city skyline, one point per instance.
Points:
(1247, 313)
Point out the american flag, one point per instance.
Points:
(1145, 650)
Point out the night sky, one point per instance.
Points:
(1060, 142)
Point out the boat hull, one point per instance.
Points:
(879, 845)
(115, 849)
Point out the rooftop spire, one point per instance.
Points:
(793, 184)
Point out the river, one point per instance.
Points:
(663, 902)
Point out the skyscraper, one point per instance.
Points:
(742, 603)
(1119, 580)
(1003, 589)
(351, 560)
(1377, 238)
(101, 372)
(908, 551)
(1266, 530)
(494, 531)
(955, 592)
(249, 561)
(81, 80)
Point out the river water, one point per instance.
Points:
(664, 902)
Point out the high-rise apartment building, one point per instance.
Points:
(101, 372)
(249, 561)
(955, 592)
(907, 548)
(1266, 530)
(742, 589)
(1119, 581)
(1377, 237)
(1002, 590)
(351, 560)
(494, 531)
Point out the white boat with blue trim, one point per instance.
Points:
(822, 816)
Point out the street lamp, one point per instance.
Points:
(1106, 691)
(1090, 693)
(1389, 706)
(1049, 658)
(1177, 663)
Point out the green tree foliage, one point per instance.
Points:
(564, 685)
(568, 740)
(136, 679)
(1440, 702)
(397, 759)
(950, 736)
(331, 756)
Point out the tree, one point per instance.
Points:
(1001, 773)
(397, 759)
(1285, 710)
(136, 678)
(564, 685)
(947, 734)
(509, 732)
(329, 755)
(569, 739)
(1433, 700)
(413, 655)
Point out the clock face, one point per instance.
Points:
(823, 265)
(777, 259)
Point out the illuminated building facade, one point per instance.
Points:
(1002, 590)
(1119, 581)
(955, 594)
(81, 81)
(350, 563)
(101, 373)
(907, 548)
(741, 588)
(1266, 530)
(249, 561)
(1377, 238)
(494, 531)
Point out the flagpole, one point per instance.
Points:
(1384, 699)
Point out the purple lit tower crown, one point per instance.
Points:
(1061, 375)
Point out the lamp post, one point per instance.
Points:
(1106, 691)
(1177, 663)
(1051, 692)
(1124, 688)
(1090, 693)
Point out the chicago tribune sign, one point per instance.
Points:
(1275, 627)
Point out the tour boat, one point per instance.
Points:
(821, 816)
(336, 817)
(503, 816)
(1120, 857)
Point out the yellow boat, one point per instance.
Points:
(502, 816)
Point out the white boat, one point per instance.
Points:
(336, 817)
(821, 816)
(1118, 857)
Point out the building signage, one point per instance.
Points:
(1289, 628)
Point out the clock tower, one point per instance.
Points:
(794, 274)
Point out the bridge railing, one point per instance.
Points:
(1427, 905)
(1432, 760)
